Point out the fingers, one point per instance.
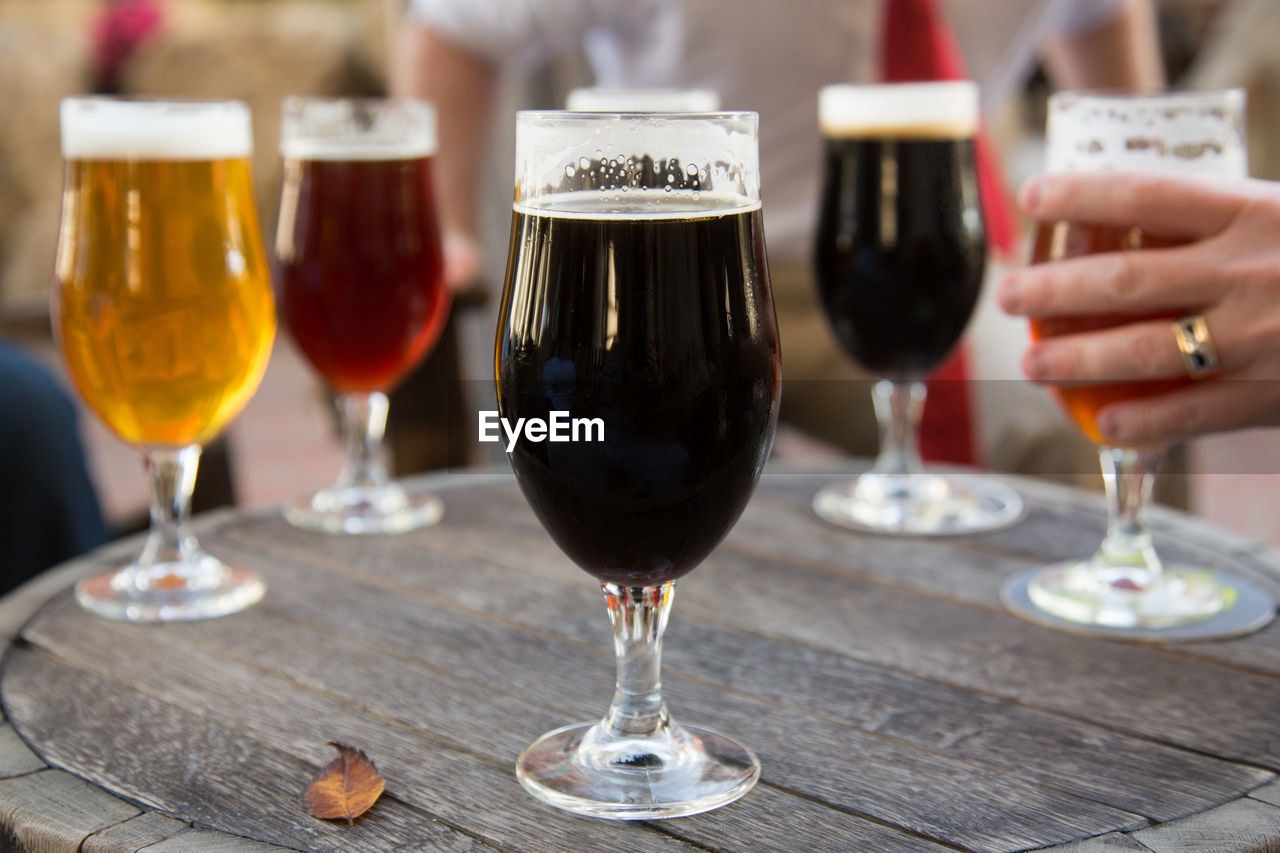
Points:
(1161, 204)
(1203, 407)
(1114, 283)
(1145, 350)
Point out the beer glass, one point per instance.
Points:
(161, 305)
(637, 305)
(1125, 585)
(899, 261)
(361, 286)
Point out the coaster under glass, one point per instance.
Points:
(1187, 604)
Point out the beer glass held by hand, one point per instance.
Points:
(361, 286)
(899, 261)
(637, 295)
(1125, 588)
(162, 308)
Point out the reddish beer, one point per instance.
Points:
(1067, 240)
(361, 271)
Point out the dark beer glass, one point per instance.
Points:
(637, 296)
(1125, 589)
(899, 259)
(361, 285)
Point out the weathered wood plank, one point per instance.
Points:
(1060, 524)
(1245, 826)
(244, 739)
(207, 841)
(770, 819)
(133, 834)
(486, 719)
(1136, 775)
(522, 635)
(53, 811)
(972, 569)
(174, 760)
(968, 569)
(17, 606)
(1193, 704)
(799, 753)
(16, 758)
(1112, 842)
(1269, 793)
(1126, 687)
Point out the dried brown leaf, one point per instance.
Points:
(346, 787)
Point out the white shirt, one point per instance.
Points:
(764, 55)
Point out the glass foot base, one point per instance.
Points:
(919, 504)
(171, 592)
(365, 510)
(1186, 604)
(690, 770)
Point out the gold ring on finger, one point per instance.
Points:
(1192, 335)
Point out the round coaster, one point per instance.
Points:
(1252, 610)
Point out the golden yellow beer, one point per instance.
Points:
(162, 298)
(162, 308)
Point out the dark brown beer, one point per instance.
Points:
(663, 328)
(900, 247)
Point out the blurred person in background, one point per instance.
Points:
(48, 508)
(1228, 272)
(771, 58)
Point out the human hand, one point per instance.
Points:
(1228, 271)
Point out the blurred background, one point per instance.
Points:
(261, 50)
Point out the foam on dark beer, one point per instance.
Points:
(941, 110)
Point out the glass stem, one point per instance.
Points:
(364, 420)
(639, 616)
(172, 475)
(1129, 476)
(899, 406)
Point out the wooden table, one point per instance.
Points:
(893, 704)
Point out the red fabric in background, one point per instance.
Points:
(918, 45)
(119, 27)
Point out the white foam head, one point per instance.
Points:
(1177, 132)
(598, 100)
(636, 165)
(357, 129)
(945, 109)
(120, 129)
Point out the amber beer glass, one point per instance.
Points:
(162, 307)
(1125, 585)
(361, 285)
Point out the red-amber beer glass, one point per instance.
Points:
(361, 285)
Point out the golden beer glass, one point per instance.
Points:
(162, 309)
